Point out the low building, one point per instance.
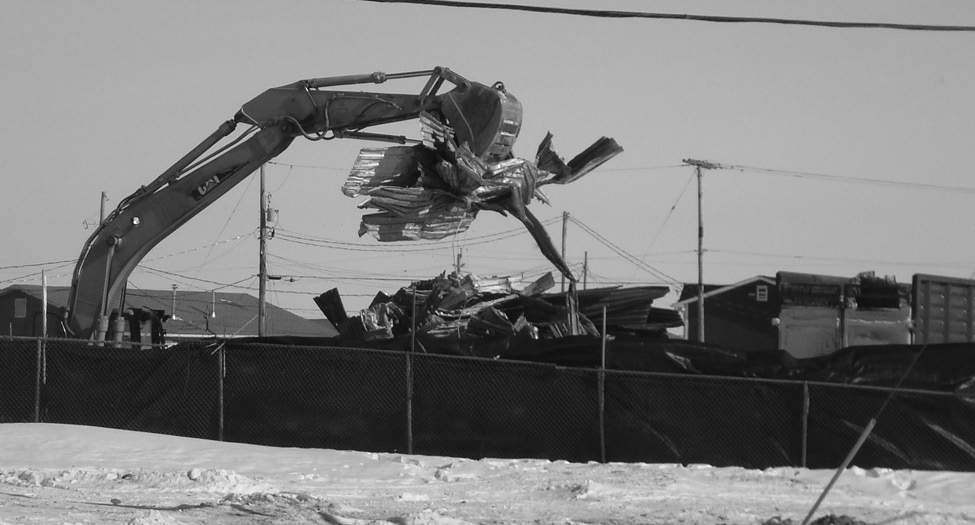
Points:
(738, 315)
(189, 315)
(807, 315)
(820, 314)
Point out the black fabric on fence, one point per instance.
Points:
(483, 408)
(315, 397)
(948, 367)
(918, 430)
(161, 390)
(461, 406)
(18, 375)
(722, 422)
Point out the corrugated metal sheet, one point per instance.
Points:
(434, 189)
(629, 306)
(375, 167)
(877, 327)
(459, 313)
(944, 309)
(809, 331)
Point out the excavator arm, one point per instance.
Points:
(486, 118)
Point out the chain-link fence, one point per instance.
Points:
(420, 403)
(697, 419)
(20, 369)
(315, 397)
(148, 389)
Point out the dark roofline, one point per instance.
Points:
(35, 290)
(192, 307)
(689, 292)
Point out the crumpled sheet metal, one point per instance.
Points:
(512, 283)
(434, 190)
(376, 167)
(464, 309)
(435, 220)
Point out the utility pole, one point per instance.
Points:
(173, 315)
(565, 225)
(698, 166)
(585, 268)
(262, 271)
(101, 210)
(44, 303)
(458, 265)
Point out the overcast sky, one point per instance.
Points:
(857, 143)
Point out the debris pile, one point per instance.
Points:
(492, 317)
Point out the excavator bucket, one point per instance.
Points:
(487, 119)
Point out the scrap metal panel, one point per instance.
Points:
(943, 309)
(886, 326)
(809, 331)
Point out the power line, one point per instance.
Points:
(211, 245)
(669, 214)
(307, 166)
(838, 259)
(835, 178)
(623, 253)
(65, 262)
(337, 273)
(34, 276)
(602, 169)
(18, 266)
(414, 247)
(859, 180)
(226, 223)
(599, 13)
(358, 278)
(219, 284)
(640, 168)
(771, 171)
(599, 278)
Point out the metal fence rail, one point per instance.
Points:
(394, 401)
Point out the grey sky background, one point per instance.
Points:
(858, 142)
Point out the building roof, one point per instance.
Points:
(201, 313)
(689, 293)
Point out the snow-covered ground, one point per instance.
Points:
(65, 474)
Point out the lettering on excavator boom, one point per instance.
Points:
(208, 184)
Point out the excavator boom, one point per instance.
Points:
(484, 117)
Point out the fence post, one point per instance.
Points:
(409, 402)
(221, 373)
(602, 394)
(409, 376)
(805, 422)
(37, 385)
